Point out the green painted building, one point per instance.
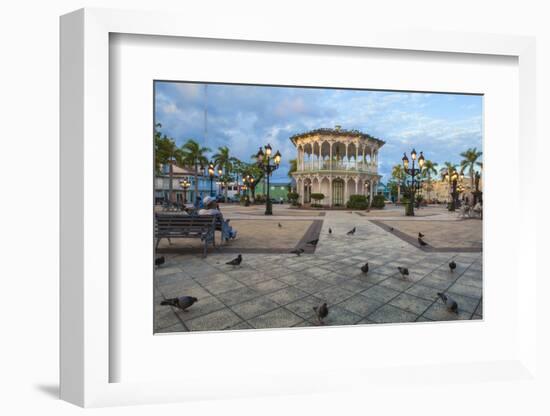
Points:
(277, 190)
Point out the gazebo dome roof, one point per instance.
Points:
(336, 132)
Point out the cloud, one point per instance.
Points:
(245, 117)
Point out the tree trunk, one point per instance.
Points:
(398, 193)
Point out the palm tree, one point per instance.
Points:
(238, 169)
(192, 154)
(448, 169)
(398, 173)
(469, 161)
(225, 162)
(166, 153)
(429, 168)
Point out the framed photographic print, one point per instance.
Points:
(255, 212)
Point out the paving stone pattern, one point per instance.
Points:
(274, 290)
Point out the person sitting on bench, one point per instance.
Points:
(211, 208)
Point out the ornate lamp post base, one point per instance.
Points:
(268, 207)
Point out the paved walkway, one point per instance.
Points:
(279, 290)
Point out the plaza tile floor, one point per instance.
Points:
(279, 290)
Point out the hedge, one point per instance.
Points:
(357, 202)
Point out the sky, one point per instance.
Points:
(244, 117)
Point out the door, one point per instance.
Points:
(337, 192)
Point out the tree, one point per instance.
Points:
(166, 153)
(193, 155)
(239, 169)
(469, 161)
(225, 162)
(429, 168)
(398, 173)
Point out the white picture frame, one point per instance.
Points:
(86, 353)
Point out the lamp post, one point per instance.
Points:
(220, 183)
(452, 178)
(264, 162)
(211, 174)
(248, 183)
(415, 182)
(185, 184)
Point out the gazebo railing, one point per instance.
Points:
(364, 167)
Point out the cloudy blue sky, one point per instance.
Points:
(244, 117)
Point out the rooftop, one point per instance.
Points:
(336, 131)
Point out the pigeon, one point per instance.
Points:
(321, 312)
(452, 265)
(365, 268)
(420, 235)
(236, 261)
(391, 229)
(160, 261)
(351, 232)
(298, 251)
(182, 302)
(422, 242)
(313, 242)
(280, 226)
(330, 230)
(452, 306)
(404, 272)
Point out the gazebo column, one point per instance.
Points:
(371, 190)
(330, 192)
(319, 159)
(356, 185)
(356, 157)
(330, 159)
(346, 191)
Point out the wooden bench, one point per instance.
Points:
(185, 226)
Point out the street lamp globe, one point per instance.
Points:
(421, 160)
(405, 161)
(277, 157)
(260, 155)
(413, 154)
(268, 150)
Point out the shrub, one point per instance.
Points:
(259, 199)
(378, 201)
(357, 202)
(317, 197)
(293, 197)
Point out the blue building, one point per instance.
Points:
(179, 195)
(384, 189)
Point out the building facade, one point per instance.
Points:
(277, 190)
(179, 195)
(337, 163)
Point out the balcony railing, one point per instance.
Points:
(361, 167)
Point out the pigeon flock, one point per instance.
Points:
(322, 311)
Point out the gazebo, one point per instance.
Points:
(337, 163)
